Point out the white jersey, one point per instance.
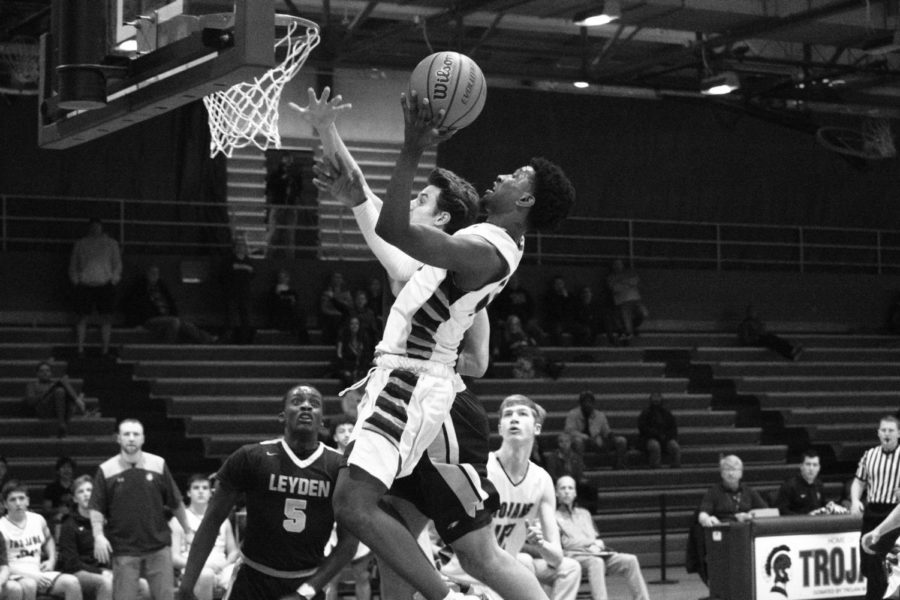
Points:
(23, 544)
(431, 314)
(519, 503)
(220, 546)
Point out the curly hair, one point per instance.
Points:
(554, 196)
(458, 198)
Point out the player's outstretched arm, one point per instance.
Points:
(890, 522)
(340, 557)
(218, 510)
(547, 537)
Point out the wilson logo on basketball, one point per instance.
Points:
(442, 78)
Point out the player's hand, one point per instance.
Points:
(335, 177)
(46, 565)
(321, 112)
(102, 549)
(421, 123)
(868, 541)
(185, 594)
(534, 534)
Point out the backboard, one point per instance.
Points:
(108, 65)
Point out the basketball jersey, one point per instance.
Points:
(289, 513)
(219, 548)
(23, 544)
(430, 314)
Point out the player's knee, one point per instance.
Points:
(569, 569)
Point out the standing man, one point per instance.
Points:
(95, 269)
(132, 491)
(581, 541)
(878, 475)
(288, 484)
(525, 524)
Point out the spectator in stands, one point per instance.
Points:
(10, 590)
(565, 461)
(95, 269)
(350, 403)
(59, 493)
(238, 277)
(132, 491)
(752, 332)
(28, 540)
(804, 494)
(335, 305)
(581, 541)
(559, 310)
(76, 548)
(590, 430)
(877, 476)
(518, 346)
(52, 397)
(514, 299)
(354, 352)
(150, 304)
(728, 500)
(623, 283)
(4, 478)
(587, 319)
(658, 433)
(375, 298)
(284, 190)
(341, 429)
(286, 312)
(362, 311)
(216, 572)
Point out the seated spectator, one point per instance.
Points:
(516, 300)
(565, 461)
(587, 318)
(335, 303)
(752, 332)
(28, 539)
(804, 494)
(59, 493)
(518, 346)
(286, 311)
(590, 430)
(150, 305)
(376, 299)
(559, 309)
(581, 541)
(728, 500)
(341, 429)
(354, 352)
(76, 548)
(368, 322)
(216, 573)
(237, 277)
(658, 433)
(623, 283)
(52, 397)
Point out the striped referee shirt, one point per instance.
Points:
(880, 470)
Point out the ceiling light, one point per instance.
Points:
(721, 84)
(581, 84)
(606, 12)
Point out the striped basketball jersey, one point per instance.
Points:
(430, 314)
(880, 471)
(23, 544)
(289, 513)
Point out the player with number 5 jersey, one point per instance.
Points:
(288, 483)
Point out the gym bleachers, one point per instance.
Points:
(225, 396)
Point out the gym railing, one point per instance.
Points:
(52, 223)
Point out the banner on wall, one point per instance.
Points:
(798, 567)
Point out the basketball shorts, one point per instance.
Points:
(405, 404)
(250, 584)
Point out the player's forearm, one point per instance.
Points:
(551, 552)
(97, 520)
(892, 521)
(399, 265)
(393, 222)
(340, 557)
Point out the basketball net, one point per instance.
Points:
(247, 113)
(21, 58)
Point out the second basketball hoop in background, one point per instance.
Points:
(453, 82)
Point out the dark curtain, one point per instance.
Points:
(675, 159)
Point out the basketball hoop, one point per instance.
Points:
(873, 140)
(247, 113)
(21, 57)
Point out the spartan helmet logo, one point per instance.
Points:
(778, 566)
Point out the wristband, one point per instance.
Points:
(306, 591)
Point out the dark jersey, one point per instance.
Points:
(289, 513)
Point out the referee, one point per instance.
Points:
(878, 475)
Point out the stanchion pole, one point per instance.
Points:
(663, 580)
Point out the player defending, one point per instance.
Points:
(409, 395)
(289, 484)
(448, 483)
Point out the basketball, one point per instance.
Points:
(453, 82)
